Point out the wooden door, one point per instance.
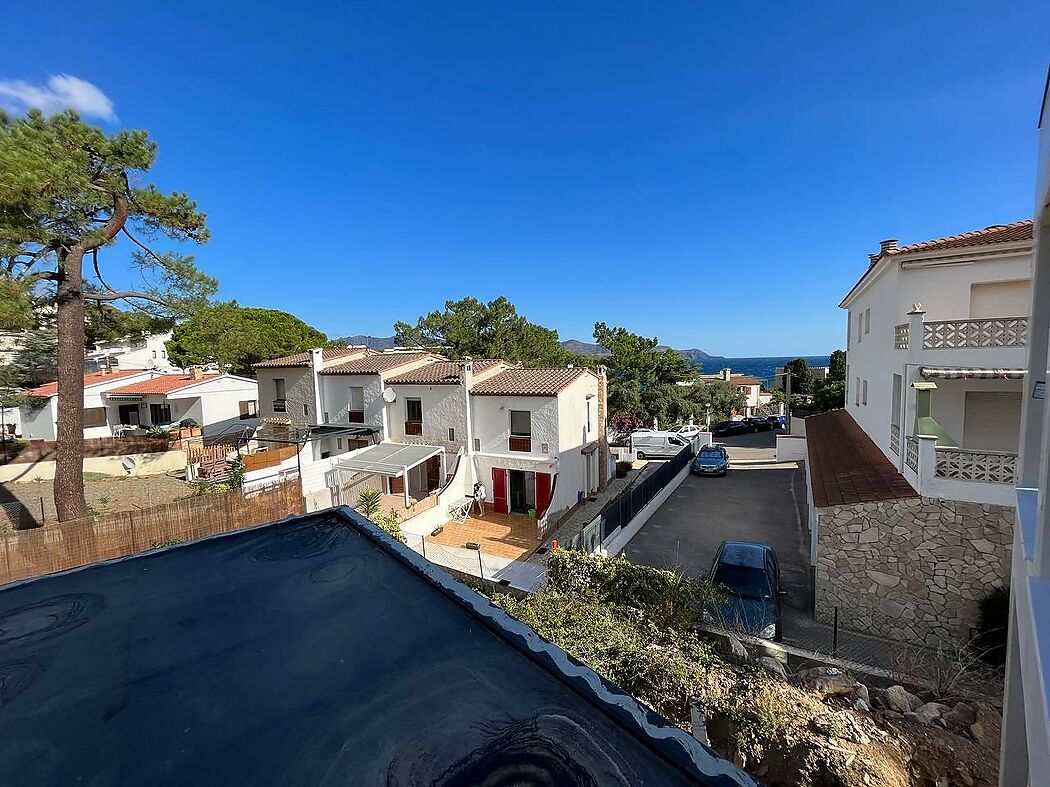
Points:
(500, 500)
(433, 473)
(397, 485)
(543, 493)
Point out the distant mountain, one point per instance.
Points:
(587, 348)
(373, 342)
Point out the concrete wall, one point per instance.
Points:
(911, 569)
(299, 392)
(335, 398)
(791, 448)
(40, 424)
(444, 406)
(145, 465)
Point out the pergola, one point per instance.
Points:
(392, 460)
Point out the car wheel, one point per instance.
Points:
(641, 455)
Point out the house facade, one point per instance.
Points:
(218, 403)
(912, 483)
(141, 352)
(750, 387)
(40, 417)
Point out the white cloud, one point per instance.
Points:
(61, 92)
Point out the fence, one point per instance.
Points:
(29, 553)
(623, 509)
(42, 451)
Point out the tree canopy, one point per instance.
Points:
(68, 192)
(485, 330)
(719, 400)
(643, 379)
(837, 365)
(801, 376)
(106, 323)
(235, 337)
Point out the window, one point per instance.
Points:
(477, 443)
(521, 423)
(355, 398)
(339, 443)
(160, 414)
(864, 395)
(856, 392)
(414, 410)
(867, 321)
(248, 409)
(278, 388)
(898, 387)
(154, 353)
(451, 435)
(860, 327)
(849, 329)
(94, 416)
(306, 410)
(588, 416)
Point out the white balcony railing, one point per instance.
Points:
(901, 336)
(992, 332)
(895, 438)
(911, 455)
(988, 467)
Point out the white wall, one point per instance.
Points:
(791, 448)
(40, 424)
(443, 407)
(335, 397)
(145, 465)
(215, 404)
(491, 421)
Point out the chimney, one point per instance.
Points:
(197, 373)
(726, 374)
(890, 244)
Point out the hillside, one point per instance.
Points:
(374, 342)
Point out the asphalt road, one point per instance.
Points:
(757, 501)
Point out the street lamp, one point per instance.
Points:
(787, 395)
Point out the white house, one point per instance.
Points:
(140, 352)
(218, 403)
(1025, 750)
(750, 387)
(40, 417)
(944, 323)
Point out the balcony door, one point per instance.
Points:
(992, 420)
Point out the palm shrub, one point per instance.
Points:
(368, 502)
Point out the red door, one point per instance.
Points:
(543, 493)
(500, 502)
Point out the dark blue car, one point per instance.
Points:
(711, 460)
(749, 574)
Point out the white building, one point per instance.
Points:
(1025, 753)
(40, 418)
(218, 403)
(132, 398)
(141, 352)
(532, 436)
(944, 323)
(750, 387)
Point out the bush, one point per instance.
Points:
(993, 618)
(623, 468)
(391, 523)
(368, 503)
(671, 598)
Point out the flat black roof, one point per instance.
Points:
(312, 651)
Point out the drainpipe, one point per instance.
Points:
(466, 379)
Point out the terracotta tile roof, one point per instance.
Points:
(303, 359)
(374, 364)
(736, 379)
(161, 384)
(996, 233)
(440, 373)
(50, 389)
(528, 382)
(846, 466)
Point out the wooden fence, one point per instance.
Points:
(270, 457)
(30, 553)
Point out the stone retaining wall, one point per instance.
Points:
(911, 569)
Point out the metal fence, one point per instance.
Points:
(620, 511)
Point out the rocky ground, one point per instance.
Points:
(822, 727)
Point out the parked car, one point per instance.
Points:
(730, 428)
(687, 431)
(749, 573)
(713, 459)
(657, 445)
(777, 422)
(760, 424)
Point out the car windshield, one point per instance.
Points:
(711, 453)
(742, 580)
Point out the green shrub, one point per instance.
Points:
(391, 523)
(368, 503)
(672, 598)
(236, 479)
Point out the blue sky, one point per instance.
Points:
(713, 174)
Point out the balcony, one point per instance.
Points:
(964, 334)
(280, 405)
(986, 467)
(895, 439)
(413, 427)
(521, 444)
(964, 474)
(355, 416)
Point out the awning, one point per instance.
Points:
(389, 459)
(938, 373)
(112, 397)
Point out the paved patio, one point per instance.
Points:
(511, 536)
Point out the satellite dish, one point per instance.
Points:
(389, 395)
(128, 464)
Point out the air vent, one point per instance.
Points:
(545, 448)
(451, 435)
(477, 443)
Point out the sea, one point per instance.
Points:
(762, 368)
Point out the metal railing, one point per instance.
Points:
(280, 405)
(991, 332)
(413, 427)
(895, 438)
(902, 336)
(522, 444)
(964, 464)
(911, 453)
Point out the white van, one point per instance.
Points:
(657, 445)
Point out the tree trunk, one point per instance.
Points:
(69, 453)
